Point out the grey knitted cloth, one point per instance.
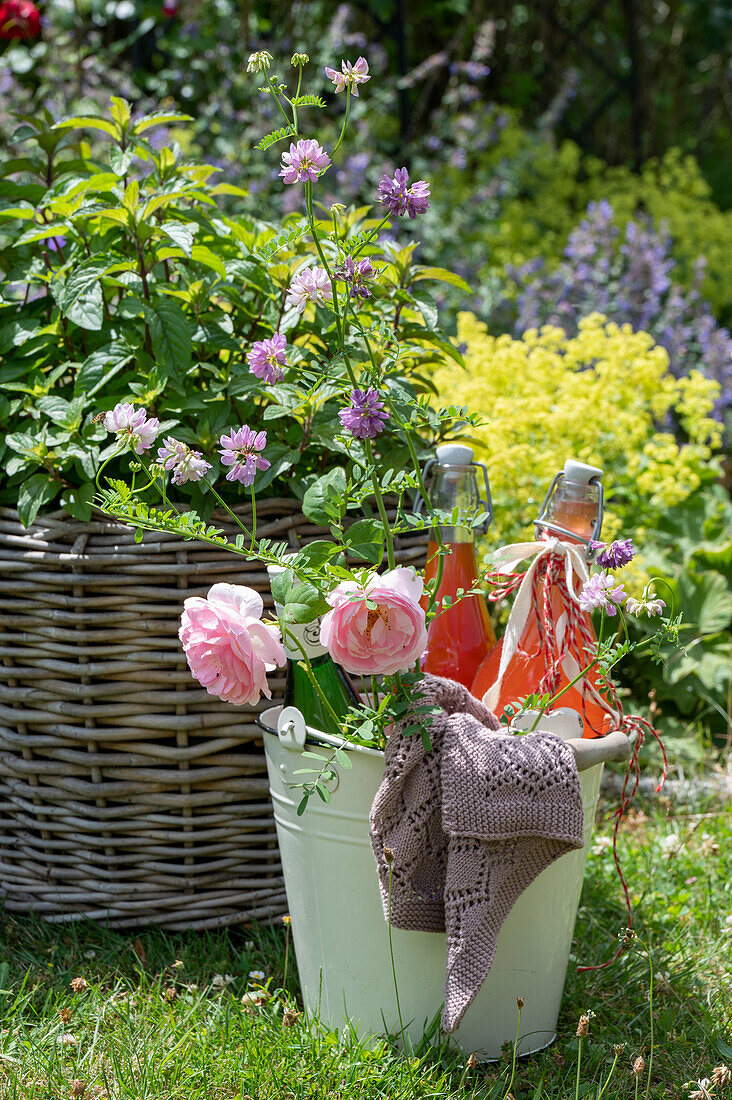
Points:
(470, 823)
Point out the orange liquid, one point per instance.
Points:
(526, 667)
(461, 636)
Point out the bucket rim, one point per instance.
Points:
(267, 721)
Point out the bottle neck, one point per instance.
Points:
(302, 637)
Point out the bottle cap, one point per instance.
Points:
(579, 473)
(455, 454)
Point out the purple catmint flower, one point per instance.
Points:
(616, 555)
(268, 357)
(365, 415)
(306, 160)
(602, 591)
(186, 464)
(350, 75)
(132, 425)
(310, 285)
(399, 199)
(355, 274)
(240, 450)
(630, 279)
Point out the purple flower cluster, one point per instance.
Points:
(629, 278)
(310, 285)
(365, 415)
(241, 451)
(131, 424)
(268, 357)
(601, 591)
(185, 463)
(305, 161)
(614, 556)
(355, 274)
(399, 199)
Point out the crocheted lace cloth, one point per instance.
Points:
(470, 823)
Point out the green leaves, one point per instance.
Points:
(300, 600)
(38, 490)
(170, 333)
(323, 502)
(364, 541)
(82, 300)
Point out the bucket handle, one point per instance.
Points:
(291, 729)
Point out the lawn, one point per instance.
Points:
(161, 1016)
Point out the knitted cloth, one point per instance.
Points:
(468, 825)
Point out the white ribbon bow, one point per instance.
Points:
(505, 560)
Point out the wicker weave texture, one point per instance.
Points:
(127, 793)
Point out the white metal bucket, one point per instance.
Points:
(341, 938)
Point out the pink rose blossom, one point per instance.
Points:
(349, 76)
(132, 425)
(228, 648)
(384, 639)
(311, 285)
(305, 161)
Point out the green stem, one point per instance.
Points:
(297, 93)
(290, 121)
(309, 673)
(254, 520)
(371, 236)
(515, 1051)
(394, 973)
(609, 1076)
(579, 1064)
(336, 147)
(380, 505)
(650, 1005)
(234, 516)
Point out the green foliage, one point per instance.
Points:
(126, 1025)
(691, 552)
(126, 279)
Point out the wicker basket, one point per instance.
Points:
(127, 793)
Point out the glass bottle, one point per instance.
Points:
(333, 681)
(461, 635)
(572, 512)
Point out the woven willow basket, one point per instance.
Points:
(127, 793)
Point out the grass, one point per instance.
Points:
(126, 1036)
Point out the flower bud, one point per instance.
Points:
(259, 62)
(299, 60)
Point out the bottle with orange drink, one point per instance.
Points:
(571, 514)
(461, 635)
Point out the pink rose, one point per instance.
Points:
(371, 641)
(228, 648)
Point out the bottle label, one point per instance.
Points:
(308, 636)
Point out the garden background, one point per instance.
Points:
(578, 155)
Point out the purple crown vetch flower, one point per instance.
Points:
(241, 451)
(132, 425)
(602, 591)
(350, 75)
(647, 605)
(306, 160)
(365, 415)
(186, 464)
(616, 555)
(268, 357)
(355, 274)
(400, 199)
(310, 285)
